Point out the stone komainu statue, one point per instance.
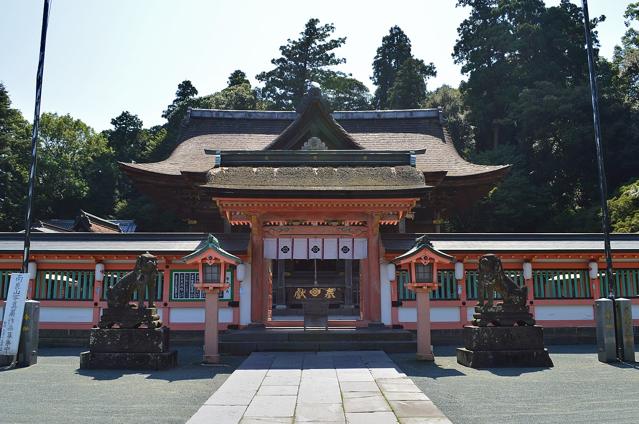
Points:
(143, 276)
(493, 279)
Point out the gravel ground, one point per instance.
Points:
(578, 389)
(56, 391)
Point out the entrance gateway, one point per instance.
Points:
(314, 188)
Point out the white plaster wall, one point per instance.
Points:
(569, 312)
(445, 314)
(385, 295)
(469, 314)
(635, 311)
(58, 314)
(187, 315)
(245, 297)
(406, 314)
(225, 315)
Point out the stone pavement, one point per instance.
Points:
(318, 387)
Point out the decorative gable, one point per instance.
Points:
(314, 129)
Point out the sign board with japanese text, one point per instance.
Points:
(13, 313)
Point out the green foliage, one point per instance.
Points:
(449, 99)
(409, 89)
(528, 88)
(303, 61)
(15, 151)
(184, 92)
(75, 169)
(343, 92)
(393, 52)
(400, 78)
(238, 77)
(624, 208)
(626, 57)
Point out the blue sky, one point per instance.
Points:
(104, 57)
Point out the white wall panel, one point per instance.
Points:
(300, 248)
(444, 314)
(225, 315)
(407, 314)
(560, 313)
(187, 315)
(60, 314)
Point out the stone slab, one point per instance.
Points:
(375, 403)
(312, 412)
(218, 414)
(370, 418)
(271, 406)
(504, 358)
(415, 409)
(128, 361)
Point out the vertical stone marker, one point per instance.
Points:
(604, 317)
(13, 314)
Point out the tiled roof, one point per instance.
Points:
(320, 179)
(373, 130)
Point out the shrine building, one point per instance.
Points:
(284, 207)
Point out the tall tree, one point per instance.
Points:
(393, 52)
(626, 57)
(409, 89)
(184, 92)
(343, 92)
(455, 112)
(237, 77)
(304, 60)
(75, 169)
(527, 88)
(14, 164)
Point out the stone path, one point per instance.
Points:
(323, 387)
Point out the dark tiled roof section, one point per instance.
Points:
(321, 179)
(374, 130)
(514, 242)
(156, 243)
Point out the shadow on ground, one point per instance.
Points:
(578, 389)
(65, 394)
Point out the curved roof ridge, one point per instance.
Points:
(291, 115)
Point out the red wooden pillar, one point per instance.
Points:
(373, 284)
(257, 272)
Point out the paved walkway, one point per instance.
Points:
(322, 387)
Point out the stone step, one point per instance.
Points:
(278, 335)
(243, 347)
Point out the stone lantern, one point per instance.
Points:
(212, 262)
(421, 261)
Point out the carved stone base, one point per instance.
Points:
(502, 315)
(130, 317)
(128, 360)
(129, 348)
(131, 340)
(503, 358)
(494, 347)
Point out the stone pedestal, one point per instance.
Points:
(129, 348)
(494, 347)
